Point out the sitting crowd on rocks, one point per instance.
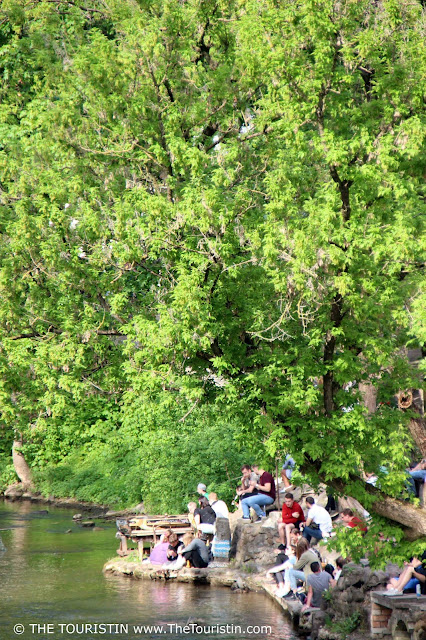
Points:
(299, 574)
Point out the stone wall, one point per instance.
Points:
(253, 545)
(350, 596)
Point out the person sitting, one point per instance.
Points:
(204, 516)
(414, 573)
(417, 473)
(248, 480)
(295, 536)
(219, 506)
(194, 551)
(305, 556)
(173, 547)
(287, 471)
(317, 582)
(265, 496)
(159, 553)
(280, 571)
(318, 523)
(202, 490)
(292, 514)
(165, 536)
(191, 517)
(352, 521)
(340, 563)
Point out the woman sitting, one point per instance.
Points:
(281, 571)
(204, 516)
(159, 553)
(194, 551)
(414, 573)
(302, 568)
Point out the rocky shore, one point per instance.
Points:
(348, 613)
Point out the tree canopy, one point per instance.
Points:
(211, 214)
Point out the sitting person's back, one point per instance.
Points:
(219, 506)
(205, 516)
(318, 581)
(195, 551)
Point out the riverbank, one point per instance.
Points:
(51, 575)
(225, 575)
(350, 612)
(17, 492)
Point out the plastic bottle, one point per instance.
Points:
(418, 590)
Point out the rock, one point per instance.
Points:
(68, 531)
(354, 575)
(14, 491)
(376, 579)
(272, 520)
(140, 508)
(240, 583)
(254, 544)
(87, 523)
(357, 595)
(77, 516)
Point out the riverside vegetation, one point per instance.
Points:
(212, 247)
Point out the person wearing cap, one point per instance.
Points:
(202, 490)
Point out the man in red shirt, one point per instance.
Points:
(352, 521)
(292, 514)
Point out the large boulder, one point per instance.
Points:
(253, 545)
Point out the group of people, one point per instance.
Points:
(297, 561)
(299, 572)
(174, 553)
(210, 538)
(300, 564)
(256, 491)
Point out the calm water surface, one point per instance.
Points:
(49, 577)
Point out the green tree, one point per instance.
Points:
(220, 202)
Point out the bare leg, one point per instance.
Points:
(282, 532)
(288, 528)
(395, 583)
(404, 578)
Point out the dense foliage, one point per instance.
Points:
(211, 220)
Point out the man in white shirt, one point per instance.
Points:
(318, 517)
(218, 506)
(221, 544)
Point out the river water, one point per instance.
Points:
(52, 587)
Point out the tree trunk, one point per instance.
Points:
(369, 396)
(414, 518)
(417, 427)
(405, 514)
(21, 467)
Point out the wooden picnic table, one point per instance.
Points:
(144, 529)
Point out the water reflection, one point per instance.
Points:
(48, 576)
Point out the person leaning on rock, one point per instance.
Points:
(204, 516)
